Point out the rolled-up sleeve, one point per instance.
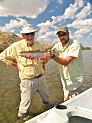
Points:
(74, 50)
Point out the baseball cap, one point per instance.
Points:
(62, 29)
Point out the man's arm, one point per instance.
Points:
(63, 61)
(8, 55)
(15, 64)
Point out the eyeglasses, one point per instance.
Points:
(32, 33)
(62, 34)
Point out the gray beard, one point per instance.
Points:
(30, 43)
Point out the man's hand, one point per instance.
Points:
(29, 56)
(68, 94)
(47, 56)
(16, 65)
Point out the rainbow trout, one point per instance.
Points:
(35, 54)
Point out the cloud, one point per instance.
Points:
(83, 27)
(46, 24)
(13, 24)
(90, 34)
(82, 24)
(60, 1)
(46, 27)
(84, 12)
(79, 3)
(47, 32)
(82, 31)
(79, 34)
(70, 12)
(47, 37)
(28, 8)
(72, 9)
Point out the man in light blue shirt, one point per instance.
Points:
(68, 54)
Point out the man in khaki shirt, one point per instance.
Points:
(31, 71)
(68, 54)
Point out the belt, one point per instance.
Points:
(38, 76)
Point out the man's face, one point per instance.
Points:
(29, 37)
(63, 37)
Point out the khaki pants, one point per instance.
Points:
(29, 88)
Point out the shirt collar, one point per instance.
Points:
(64, 47)
(29, 44)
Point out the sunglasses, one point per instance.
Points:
(32, 33)
(62, 34)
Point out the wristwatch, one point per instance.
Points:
(53, 56)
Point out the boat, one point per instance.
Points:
(75, 110)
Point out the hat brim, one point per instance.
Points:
(61, 32)
(29, 31)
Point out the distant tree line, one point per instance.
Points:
(87, 48)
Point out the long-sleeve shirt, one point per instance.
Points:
(27, 68)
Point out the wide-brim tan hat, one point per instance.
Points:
(62, 29)
(28, 29)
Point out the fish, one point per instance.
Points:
(35, 54)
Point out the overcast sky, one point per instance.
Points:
(47, 15)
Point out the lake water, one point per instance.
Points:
(87, 59)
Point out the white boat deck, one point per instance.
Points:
(83, 101)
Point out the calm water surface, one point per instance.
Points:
(87, 59)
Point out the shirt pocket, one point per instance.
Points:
(24, 62)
